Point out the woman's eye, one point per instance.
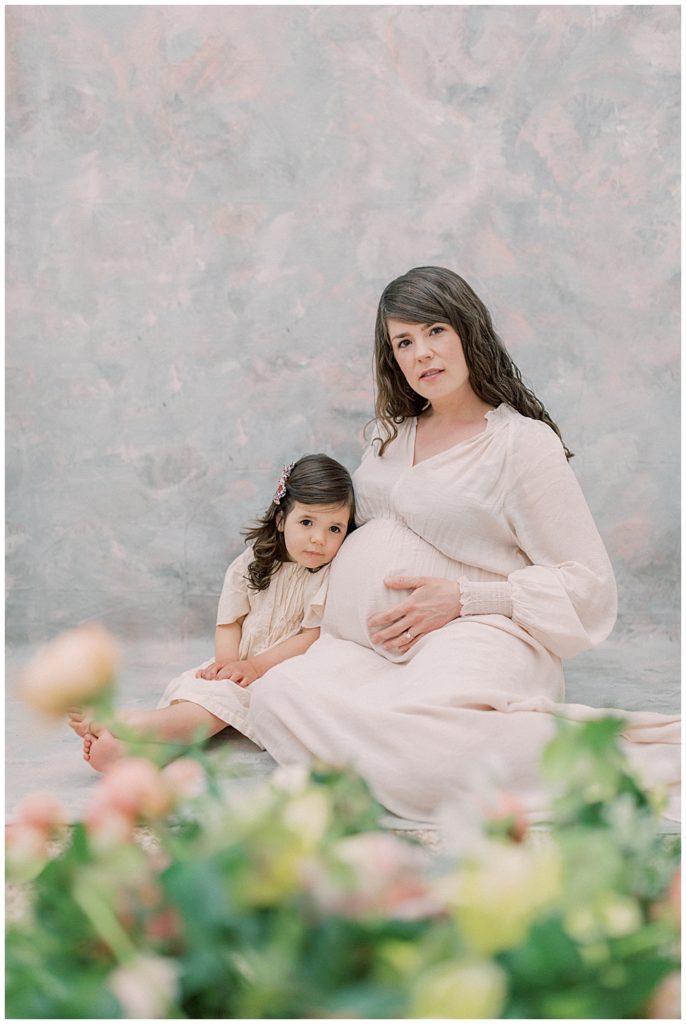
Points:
(403, 343)
(437, 328)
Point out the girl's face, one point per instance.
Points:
(313, 533)
(431, 359)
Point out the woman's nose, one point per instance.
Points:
(423, 350)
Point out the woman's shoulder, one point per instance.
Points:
(531, 444)
(532, 433)
(377, 433)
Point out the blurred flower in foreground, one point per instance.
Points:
(666, 1003)
(497, 895)
(136, 787)
(185, 778)
(464, 990)
(506, 816)
(146, 987)
(27, 839)
(373, 874)
(75, 667)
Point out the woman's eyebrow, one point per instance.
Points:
(406, 334)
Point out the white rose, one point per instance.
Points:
(146, 987)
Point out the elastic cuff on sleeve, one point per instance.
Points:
(485, 598)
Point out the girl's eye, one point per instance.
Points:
(306, 522)
(335, 529)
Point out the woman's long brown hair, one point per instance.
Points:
(429, 295)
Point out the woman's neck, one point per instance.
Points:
(457, 412)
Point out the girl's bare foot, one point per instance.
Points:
(103, 750)
(79, 719)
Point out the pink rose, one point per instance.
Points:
(73, 668)
(42, 811)
(108, 826)
(386, 876)
(135, 787)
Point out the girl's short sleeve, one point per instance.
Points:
(234, 601)
(314, 606)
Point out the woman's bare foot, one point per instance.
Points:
(103, 750)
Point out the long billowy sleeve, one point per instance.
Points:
(567, 598)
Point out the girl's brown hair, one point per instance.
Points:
(313, 480)
(429, 295)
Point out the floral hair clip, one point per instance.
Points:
(280, 492)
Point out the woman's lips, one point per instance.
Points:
(429, 374)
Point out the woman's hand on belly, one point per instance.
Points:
(433, 603)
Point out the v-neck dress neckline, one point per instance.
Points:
(490, 418)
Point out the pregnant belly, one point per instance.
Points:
(377, 550)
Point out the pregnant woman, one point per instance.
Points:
(476, 569)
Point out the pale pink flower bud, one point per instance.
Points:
(185, 778)
(507, 807)
(41, 810)
(24, 842)
(26, 851)
(108, 826)
(665, 1004)
(73, 668)
(136, 787)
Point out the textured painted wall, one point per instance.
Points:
(204, 204)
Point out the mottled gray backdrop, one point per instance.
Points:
(204, 204)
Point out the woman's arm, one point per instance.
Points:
(248, 670)
(566, 599)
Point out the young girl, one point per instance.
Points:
(270, 609)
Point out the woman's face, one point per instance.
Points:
(431, 359)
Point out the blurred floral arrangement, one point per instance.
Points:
(180, 896)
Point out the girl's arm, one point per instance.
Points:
(247, 671)
(227, 639)
(286, 649)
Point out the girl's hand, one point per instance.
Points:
(242, 672)
(209, 671)
(433, 603)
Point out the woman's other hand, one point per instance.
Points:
(432, 604)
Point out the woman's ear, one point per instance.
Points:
(279, 521)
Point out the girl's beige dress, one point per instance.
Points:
(294, 600)
(504, 515)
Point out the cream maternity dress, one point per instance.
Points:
(503, 514)
(294, 600)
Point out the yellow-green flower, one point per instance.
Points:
(496, 897)
(466, 990)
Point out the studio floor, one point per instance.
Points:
(635, 673)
